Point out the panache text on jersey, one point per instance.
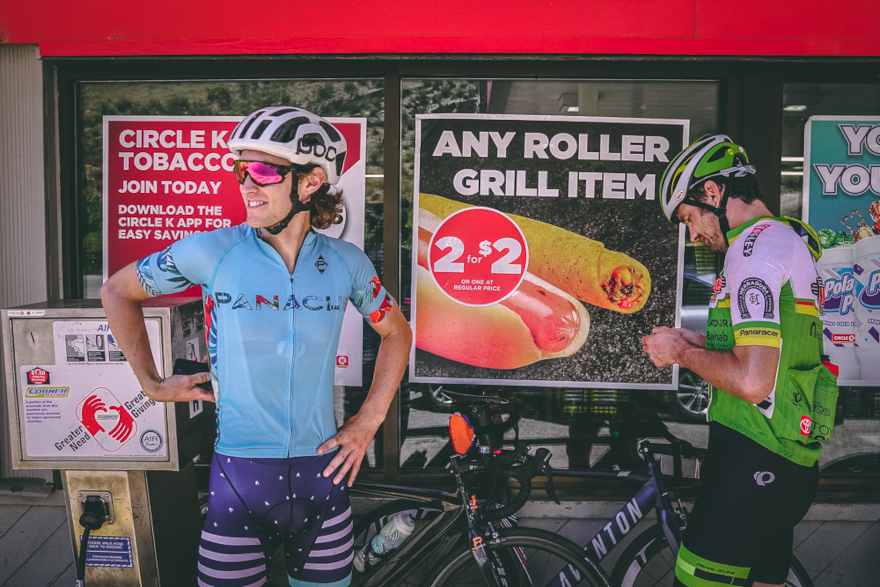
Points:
(258, 302)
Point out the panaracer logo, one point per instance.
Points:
(37, 376)
(47, 392)
(764, 478)
(806, 424)
(341, 361)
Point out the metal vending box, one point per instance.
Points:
(74, 402)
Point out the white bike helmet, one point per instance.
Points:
(294, 134)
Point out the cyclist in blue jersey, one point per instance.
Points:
(275, 292)
(772, 399)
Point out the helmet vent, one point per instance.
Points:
(258, 132)
(287, 131)
(248, 124)
(717, 154)
(282, 112)
(331, 131)
(312, 139)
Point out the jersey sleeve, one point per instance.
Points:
(367, 293)
(176, 268)
(755, 286)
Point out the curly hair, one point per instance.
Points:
(326, 205)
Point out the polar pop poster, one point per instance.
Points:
(540, 252)
(166, 177)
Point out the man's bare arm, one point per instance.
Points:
(122, 297)
(747, 372)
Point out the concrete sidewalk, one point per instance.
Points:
(836, 543)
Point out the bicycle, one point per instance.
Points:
(650, 558)
(473, 543)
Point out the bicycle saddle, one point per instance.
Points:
(464, 398)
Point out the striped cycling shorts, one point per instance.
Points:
(257, 504)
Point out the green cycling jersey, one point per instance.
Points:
(770, 294)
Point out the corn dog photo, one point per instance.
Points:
(588, 270)
(538, 321)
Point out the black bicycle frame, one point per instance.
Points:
(452, 505)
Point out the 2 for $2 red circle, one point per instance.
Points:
(478, 256)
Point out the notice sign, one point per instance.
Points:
(109, 551)
(166, 177)
(842, 177)
(540, 251)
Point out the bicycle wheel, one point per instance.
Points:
(368, 525)
(649, 561)
(523, 557)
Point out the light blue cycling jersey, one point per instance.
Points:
(272, 336)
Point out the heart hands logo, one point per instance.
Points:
(106, 419)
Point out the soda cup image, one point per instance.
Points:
(866, 268)
(839, 314)
(106, 419)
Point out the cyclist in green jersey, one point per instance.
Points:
(770, 393)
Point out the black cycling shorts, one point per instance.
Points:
(741, 528)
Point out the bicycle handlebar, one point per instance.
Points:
(523, 472)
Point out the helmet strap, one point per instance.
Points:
(720, 211)
(295, 208)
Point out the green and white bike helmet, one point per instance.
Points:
(707, 157)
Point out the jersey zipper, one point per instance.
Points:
(290, 341)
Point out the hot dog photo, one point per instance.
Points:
(539, 251)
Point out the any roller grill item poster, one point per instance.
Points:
(540, 252)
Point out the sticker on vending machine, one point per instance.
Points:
(106, 419)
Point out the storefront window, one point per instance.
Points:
(800, 101)
(853, 449)
(337, 98)
(581, 427)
